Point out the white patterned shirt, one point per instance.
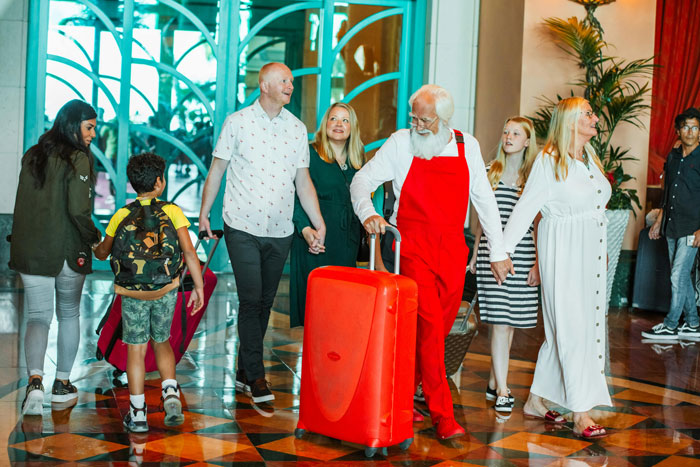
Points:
(264, 155)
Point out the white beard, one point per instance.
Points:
(426, 144)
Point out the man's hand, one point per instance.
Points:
(501, 269)
(655, 230)
(533, 277)
(204, 226)
(313, 239)
(696, 242)
(375, 224)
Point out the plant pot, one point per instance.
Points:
(617, 224)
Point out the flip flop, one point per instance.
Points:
(588, 432)
(551, 416)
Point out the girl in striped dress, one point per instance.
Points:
(514, 303)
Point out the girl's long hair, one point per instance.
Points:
(63, 139)
(559, 138)
(499, 163)
(353, 146)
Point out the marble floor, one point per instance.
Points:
(655, 387)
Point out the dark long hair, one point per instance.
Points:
(63, 139)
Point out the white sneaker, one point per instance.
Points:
(172, 406)
(688, 331)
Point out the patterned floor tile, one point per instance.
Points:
(540, 444)
(657, 441)
(67, 446)
(195, 447)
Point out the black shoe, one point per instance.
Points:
(62, 393)
(260, 391)
(660, 331)
(688, 331)
(503, 404)
(241, 382)
(492, 395)
(33, 403)
(419, 396)
(135, 420)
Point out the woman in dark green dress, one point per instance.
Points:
(337, 154)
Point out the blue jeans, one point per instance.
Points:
(681, 257)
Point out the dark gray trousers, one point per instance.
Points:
(257, 267)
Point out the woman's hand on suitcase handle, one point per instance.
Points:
(205, 226)
(375, 224)
(655, 230)
(471, 267)
(196, 298)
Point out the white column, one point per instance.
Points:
(451, 54)
(13, 54)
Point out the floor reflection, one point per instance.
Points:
(655, 420)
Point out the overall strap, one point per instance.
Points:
(459, 138)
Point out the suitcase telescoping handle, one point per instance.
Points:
(218, 234)
(397, 248)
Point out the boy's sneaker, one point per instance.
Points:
(61, 392)
(135, 420)
(172, 406)
(688, 331)
(242, 383)
(492, 395)
(503, 404)
(660, 331)
(260, 391)
(34, 398)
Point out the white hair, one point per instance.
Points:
(444, 104)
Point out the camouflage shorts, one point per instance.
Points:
(143, 320)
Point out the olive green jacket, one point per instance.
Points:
(54, 223)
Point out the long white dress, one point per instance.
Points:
(571, 246)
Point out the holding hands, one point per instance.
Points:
(315, 239)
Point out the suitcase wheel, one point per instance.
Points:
(384, 452)
(404, 445)
(299, 432)
(117, 373)
(370, 452)
(98, 354)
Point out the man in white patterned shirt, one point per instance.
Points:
(264, 151)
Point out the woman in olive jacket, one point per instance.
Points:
(52, 234)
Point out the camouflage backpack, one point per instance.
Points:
(146, 252)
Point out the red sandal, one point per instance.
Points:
(588, 432)
(552, 416)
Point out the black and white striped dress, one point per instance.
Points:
(513, 303)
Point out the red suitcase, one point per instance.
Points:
(110, 346)
(359, 356)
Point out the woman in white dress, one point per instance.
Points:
(568, 187)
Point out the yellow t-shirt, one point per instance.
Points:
(171, 210)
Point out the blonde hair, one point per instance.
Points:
(499, 163)
(353, 146)
(565, 118)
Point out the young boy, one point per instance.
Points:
(147, 315)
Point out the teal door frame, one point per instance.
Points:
(227, 47)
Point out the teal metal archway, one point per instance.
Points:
(165, 74)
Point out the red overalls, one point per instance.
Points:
(432, 210)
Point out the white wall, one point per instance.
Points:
(451, 54)
(13, 53)
(629, 25)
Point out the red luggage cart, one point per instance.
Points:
(357, 378)
(110, 346)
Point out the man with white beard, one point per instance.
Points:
(435, 171)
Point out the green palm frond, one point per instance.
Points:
(617, 90)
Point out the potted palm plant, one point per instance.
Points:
(617, 91)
